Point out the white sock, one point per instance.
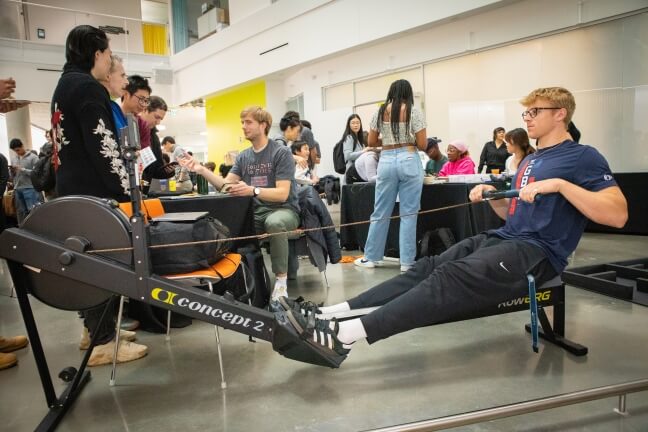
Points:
(340, 307)
(280, 288)
(351, 331)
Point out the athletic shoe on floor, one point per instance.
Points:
(362, 262)
(298, 305)
(13, 343)
(405, 268)
(125, 335)
(318, 333)
(128, 351)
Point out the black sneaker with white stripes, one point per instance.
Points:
(319, 334)
(299, 305)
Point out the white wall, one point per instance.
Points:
(239, 10)
(22, 60)
(465, 36)
(313, 30)
(153, 11)
(58, 23)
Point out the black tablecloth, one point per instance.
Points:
(358, 202)
(237, 213)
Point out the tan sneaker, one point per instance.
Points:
(7, 360)
(128, 351)
(124, 335)
(13, 343)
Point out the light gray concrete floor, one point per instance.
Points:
(422, 374)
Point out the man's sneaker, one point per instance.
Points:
(405, 268)
(319, 334)
(298, 305)
(13, 343)
(362, 262)
(128, 351)
(279, 290)
(124, 335)
(8, 360)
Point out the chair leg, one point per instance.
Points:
(325, 281)
(113, 373)
(218, 344)
(220, 359)
(168, 331)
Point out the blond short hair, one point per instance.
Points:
(558, 97)
(114, 60)
(258, 114)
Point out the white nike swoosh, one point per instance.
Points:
(502, 265)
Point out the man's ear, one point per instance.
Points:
(561, 114)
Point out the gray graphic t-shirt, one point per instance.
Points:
(263, 169)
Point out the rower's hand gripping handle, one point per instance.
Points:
(512, 193)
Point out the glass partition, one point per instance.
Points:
(194, 20)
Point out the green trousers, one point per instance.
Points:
(270, 220)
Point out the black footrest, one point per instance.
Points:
(566, 344)
(290, 344)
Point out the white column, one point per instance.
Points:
(19, 126)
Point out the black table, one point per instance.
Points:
(357, 204)
(237, 213)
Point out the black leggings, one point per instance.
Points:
(474, 274)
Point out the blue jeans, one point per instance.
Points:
(400, 173)
(26, 199)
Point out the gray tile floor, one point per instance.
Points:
(422, 374)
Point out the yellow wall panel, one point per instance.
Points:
(155, 39)
(224, 122)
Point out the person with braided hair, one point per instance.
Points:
(400, 173)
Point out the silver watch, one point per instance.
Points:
(256, 191)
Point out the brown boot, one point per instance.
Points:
(128, 336)
(7, 360)
(128, 351)
(13, 343)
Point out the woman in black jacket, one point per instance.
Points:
(89, 154)
(494, 153)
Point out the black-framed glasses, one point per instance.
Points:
(144, 101)
(533, 112)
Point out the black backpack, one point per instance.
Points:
(338, 157)
(43, 176)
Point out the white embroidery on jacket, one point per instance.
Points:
(110, 150)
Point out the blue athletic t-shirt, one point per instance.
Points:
(553, 223)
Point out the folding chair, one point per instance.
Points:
(223, 269)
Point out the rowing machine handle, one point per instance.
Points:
(512, 193)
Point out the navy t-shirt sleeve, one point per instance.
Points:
(598, 175)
